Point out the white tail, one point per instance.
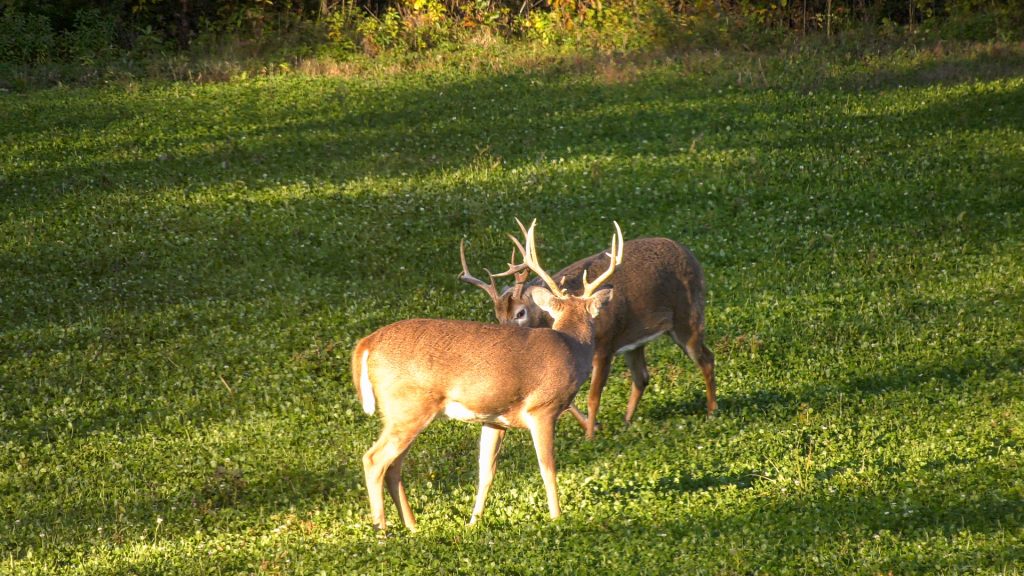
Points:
(366, 397)
(500, 376)
(659, 290)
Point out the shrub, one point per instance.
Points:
(341, 26)
(636, 24)
(487, 16)
(92, 39)
(414, 25)
(427, 23)
(976, 20)
(611, 25)
(381, 33)
(146, 41)
(25, 38)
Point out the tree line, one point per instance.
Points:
(33, 31)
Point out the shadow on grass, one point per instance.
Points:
(247, 260)
(868, 529)
(338, 131)
(953, 374)
(798, 519)
(193, 250)
(807, 521)
(934, 67)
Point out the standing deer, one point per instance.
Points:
(500, 376)
(658, 290)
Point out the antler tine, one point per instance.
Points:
(491, 289)
(531, 260)
(523, 228)
(616, 258)
(513, 268)
(521, 271)
(526, 234)
(521, 277)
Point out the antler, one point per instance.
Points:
(521, 280)
(491, 289)
(521, 271)
(521, 277)
(616, 258)
(530, 258)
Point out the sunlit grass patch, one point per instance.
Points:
(184, 269)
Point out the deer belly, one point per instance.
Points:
(638, 343)
(457, 411)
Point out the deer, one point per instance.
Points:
(660, 289)
(500, 376)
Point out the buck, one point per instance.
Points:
(659, 289)
(500, 376)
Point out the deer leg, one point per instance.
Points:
(543, 431)
(692, 341)
(706, 360)
(577, 415)
(393, 442)
(393, 481)
(490, 445)
(598, 378)
(637, 363)
(376, 460)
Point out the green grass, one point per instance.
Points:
(184, 269)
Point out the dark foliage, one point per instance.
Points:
(78, 30)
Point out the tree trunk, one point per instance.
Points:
(184, 33)
(828, 19)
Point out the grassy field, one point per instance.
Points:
(184, 270)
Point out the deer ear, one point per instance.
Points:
(542, 297)
(598, 300)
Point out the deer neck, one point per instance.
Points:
(580, 337)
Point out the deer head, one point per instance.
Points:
(516, 305)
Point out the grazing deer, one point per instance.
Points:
(658, 290)
(500, 376)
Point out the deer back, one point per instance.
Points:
(469, 370)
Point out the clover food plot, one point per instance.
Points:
(184, 268)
